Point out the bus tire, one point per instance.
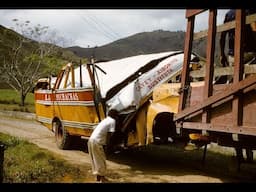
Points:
(62, 138)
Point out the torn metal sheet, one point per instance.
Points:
(128, 81)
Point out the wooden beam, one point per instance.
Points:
(239, 48)
(210, 54)
(209, 61)
(66, 77)
(186, 62)
(231, 89)
(237, 108)
(218, 127)
(224, 27)
(219, 71)
(193, 12)
(72, 76)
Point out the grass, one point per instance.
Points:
(24, 162)
(10, 101)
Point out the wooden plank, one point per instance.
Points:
(209, 61)
(67, 75)
(239, 51)
(186, 62)
(210, 54)
(72, 76)
(224, 27)
(193, 12)
(219, 71)
(231, 89)
(218, 127)
(237, 109)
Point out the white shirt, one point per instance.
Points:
(100, 132)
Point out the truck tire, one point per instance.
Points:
(61, 136)
(163, 128)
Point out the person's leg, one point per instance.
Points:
(249, 155)
(91, 154)
(239, 154)
(99, 162)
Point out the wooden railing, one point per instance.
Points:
(239, 84)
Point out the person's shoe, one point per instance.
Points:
(104, 179)
(190, 147)
(98, 178)
(101, 179)
(249, 155)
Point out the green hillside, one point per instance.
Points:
(58, 58)
(144, 43)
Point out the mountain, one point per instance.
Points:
(141, 43)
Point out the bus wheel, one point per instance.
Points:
(61, 136)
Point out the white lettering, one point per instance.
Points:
(67, 97)
(47, 97)
(157, 77)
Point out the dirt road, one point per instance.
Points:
(153, 164)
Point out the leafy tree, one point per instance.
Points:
(31, 55)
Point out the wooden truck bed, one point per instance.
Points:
(225, 111)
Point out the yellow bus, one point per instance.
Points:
(77, 99)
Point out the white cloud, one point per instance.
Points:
(96, 27)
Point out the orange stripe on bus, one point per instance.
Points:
(66, 96)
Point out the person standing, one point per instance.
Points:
(248, 44)
(98, 139)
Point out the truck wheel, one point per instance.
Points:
(61, 136)
(163, 128)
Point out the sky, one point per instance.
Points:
(98, 27)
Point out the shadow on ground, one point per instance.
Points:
(174, 160)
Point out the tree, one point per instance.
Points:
(28, 54)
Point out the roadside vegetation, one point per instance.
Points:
(24, 162)
(10, 101)
(30, 52)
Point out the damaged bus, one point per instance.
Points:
(76, 100)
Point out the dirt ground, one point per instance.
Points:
(152, 164)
